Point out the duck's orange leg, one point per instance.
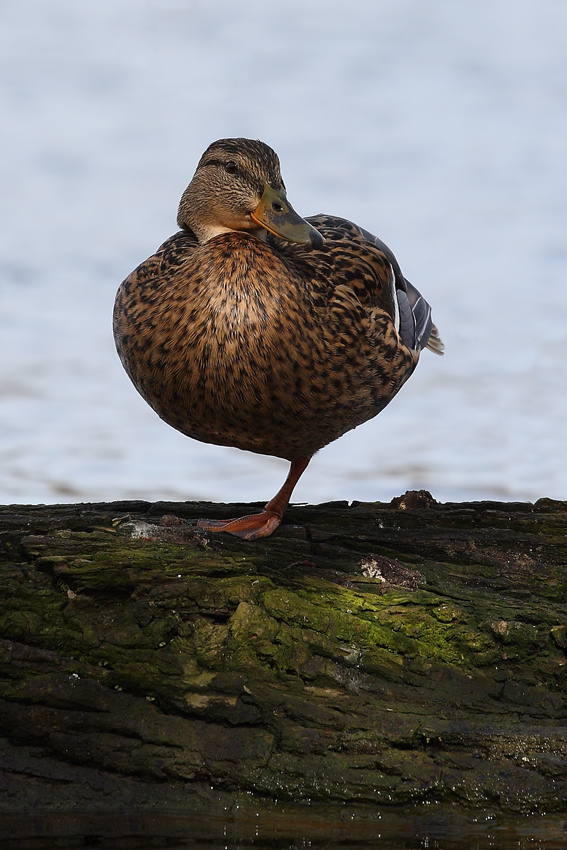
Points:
(262, 524)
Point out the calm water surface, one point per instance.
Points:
(285, 831)
(440, 126)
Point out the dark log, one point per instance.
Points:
(378, 654)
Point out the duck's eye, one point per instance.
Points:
(230, 167)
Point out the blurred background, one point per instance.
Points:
(439, 126)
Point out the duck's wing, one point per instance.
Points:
(412, 313)
(416, 326)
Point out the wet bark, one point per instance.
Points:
(372, 653)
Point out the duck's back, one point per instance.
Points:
(270, 347)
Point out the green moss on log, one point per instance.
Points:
(383, 654)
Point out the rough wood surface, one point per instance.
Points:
(372, 653)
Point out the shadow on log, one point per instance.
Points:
(379, 654)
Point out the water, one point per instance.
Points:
(440, 126)
(362, 829)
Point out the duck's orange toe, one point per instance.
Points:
(249, 527)
(253, 526)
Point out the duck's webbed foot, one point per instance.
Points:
(249, 527)
(263, 524)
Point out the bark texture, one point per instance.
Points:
(378, 654)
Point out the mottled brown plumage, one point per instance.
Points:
(239, 338)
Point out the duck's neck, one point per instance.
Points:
(206, 232)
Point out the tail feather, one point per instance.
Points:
(435, 343)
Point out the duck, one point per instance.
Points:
(255, 328)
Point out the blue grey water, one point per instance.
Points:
(439, 126)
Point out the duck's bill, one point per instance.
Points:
(276, 214)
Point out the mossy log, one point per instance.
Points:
(372, 653)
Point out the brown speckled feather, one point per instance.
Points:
(273, 347)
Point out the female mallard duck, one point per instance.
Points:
(255, 328)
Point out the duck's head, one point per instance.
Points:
(238, 186)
